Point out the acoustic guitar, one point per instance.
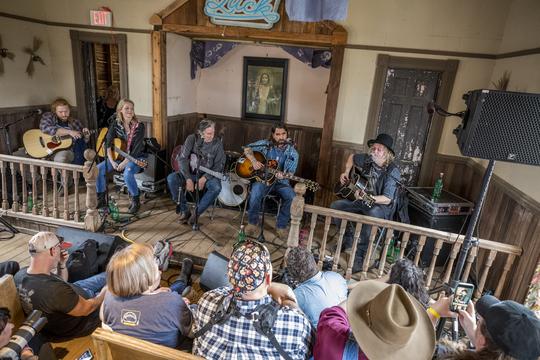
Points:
(39, 145)
(193, 161)
(244, 169)
(356, 182)
(117, 151)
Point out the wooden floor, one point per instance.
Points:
(157, 220)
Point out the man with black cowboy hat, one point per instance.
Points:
(382, 176)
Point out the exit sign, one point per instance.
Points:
(102, 17)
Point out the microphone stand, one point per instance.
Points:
(105, 159)
(261, 238)
(195, 226)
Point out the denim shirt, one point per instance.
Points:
(324, 290)
(290, 156)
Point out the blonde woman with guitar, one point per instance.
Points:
(125, 137)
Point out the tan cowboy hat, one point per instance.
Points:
(388, 323)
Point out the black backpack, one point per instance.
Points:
(82, 263)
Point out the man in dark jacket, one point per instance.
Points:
(208, 151)
(381, 176)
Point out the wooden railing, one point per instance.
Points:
(484, 254)
(52, 202)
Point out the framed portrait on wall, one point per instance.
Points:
(264, 88)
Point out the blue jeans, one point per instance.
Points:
(176, 182)
(178, 286)
(259, 190)
(92, 285)
(358, 207)
(129, 177)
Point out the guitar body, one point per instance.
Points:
(39, 145)
(244, 169)
(117, 149)
(356, 182)
(100, 144)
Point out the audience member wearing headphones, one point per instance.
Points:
(208, 151)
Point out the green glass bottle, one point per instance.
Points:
(113, 209)
(30, 202)
(437, 189)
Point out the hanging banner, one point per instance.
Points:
(260, 14)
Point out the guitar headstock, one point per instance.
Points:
(142, 163)
(312, 185)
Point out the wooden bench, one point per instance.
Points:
(112, 345)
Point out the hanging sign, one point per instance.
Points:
(261, 14)
(101, 17)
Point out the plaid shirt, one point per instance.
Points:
(238, 339)
(50, 123)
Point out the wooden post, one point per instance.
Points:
(14, 194)
(44, 208)
(90, 173)
(76, 211)
(24, 190)
(5, 203)
(159, 88)
(297, 210)
(329, 118)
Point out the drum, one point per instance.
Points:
(233, 191)
(230, 160)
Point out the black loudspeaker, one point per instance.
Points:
(156, 170)
(214, 274)
(107, 243)
(501, 125)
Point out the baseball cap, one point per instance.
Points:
(512, 326)
(249, 264)
(45, 240)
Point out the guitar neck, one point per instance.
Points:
(212, 172)
(290, 176)
(125, 154)
(64, 137)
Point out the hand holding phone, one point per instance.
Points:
(87, 355)
(462, 296)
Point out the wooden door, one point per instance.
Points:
(403, 115)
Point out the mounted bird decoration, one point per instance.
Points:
(33, 56)
(4, 53)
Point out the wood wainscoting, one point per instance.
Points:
(237, 133)
(21, 118)
(509, 216)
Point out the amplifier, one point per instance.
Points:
(449, 213)
(448, 204)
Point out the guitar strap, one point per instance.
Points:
(132, 130)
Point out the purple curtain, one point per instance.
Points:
(206, 53)
(316, 10)
(310, 56)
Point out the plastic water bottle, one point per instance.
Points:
(113, 208)
(437, 189)
(30, 202)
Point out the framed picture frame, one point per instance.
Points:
(264, 89)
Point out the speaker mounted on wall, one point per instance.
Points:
(501, 125)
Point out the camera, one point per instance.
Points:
(30, 327)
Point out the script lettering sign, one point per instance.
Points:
(261, 14)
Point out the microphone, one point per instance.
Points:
(431, 107)
(221, 133)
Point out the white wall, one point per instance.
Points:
(57, 78)
(220, 86)
(16, 87)
(181, 90)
